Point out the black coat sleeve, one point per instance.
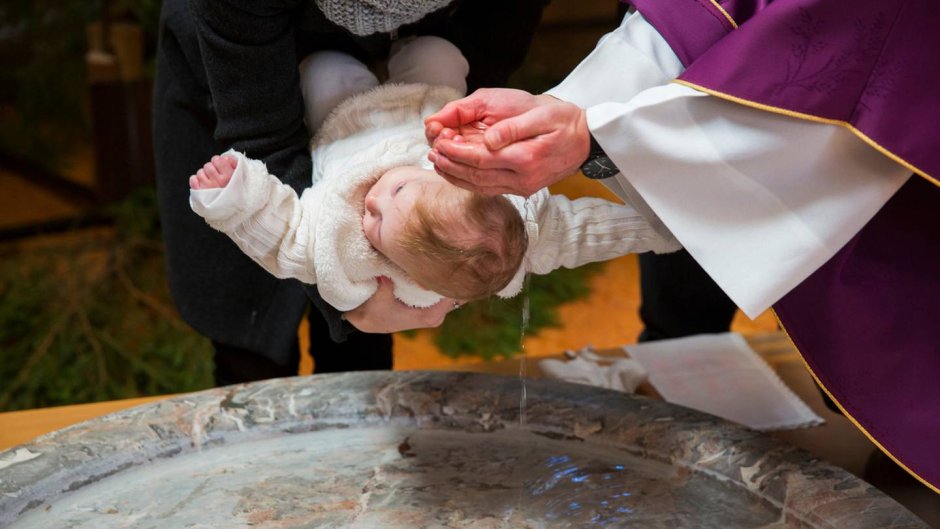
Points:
(248, 53)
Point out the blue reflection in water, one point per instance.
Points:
(592, 494)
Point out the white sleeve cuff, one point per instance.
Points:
(625, 62)
(760, 200)
(221, 203)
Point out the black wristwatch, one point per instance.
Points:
(598, 165)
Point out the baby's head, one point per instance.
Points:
(458, 243)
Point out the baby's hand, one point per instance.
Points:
(216, 173)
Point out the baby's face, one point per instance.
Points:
(388, 206)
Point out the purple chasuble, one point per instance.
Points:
(865, 322)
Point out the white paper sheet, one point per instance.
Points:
(721, 375)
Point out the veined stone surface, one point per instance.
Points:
(424, 450)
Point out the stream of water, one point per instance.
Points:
(522, 355)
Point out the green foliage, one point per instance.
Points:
(492, 328)
(90, 319)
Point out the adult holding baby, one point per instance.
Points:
(776, 141)
(227, 77)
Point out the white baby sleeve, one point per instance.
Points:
(572, 233)
(265, 218)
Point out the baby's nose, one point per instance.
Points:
(371, 204)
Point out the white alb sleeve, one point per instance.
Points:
(265, 218)
(760, 200)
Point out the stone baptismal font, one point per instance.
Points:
(424, 450)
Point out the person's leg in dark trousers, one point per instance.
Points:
(360, 352)
(679, 299)
(234, 365)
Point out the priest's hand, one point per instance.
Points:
(507, 141)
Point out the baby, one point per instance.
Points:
(453, 242)
(376, 208)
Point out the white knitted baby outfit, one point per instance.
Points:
(365, 17)
(318, 238)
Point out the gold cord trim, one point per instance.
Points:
(809, 117)
(725, 13)
(849, 416)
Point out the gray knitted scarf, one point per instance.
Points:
(365, 17)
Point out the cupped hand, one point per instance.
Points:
(519, 154)
(382, 313)
(479, 110)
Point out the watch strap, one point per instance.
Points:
(598, 165)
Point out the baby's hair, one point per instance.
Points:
(465, 245)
